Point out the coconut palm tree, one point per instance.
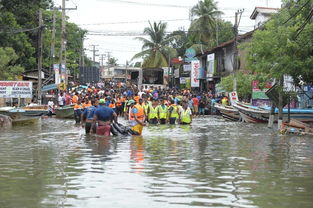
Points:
(155, 49)
(202, 28)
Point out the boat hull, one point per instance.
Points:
(252, 115)
(39, 110)
(65, 112)
(25, 121)
(228, 112)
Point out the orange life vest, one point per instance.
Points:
(74, 99)
(140, 114)
(86, 105)
(76, 106)
(136, 98)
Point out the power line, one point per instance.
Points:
(144, 21)
(292, 16)
(130, 22)
(163, 5)
(146, 4)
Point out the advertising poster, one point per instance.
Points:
(56, 68)
(187, 67)
(195, 66)
(233, 97)
(16, 89)
(210, 65)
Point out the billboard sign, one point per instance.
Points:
(195, 67)
(210, 65)
(56, 68)
(16, 89)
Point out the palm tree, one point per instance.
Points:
(202, 29)
(112, 61)
(155, 49)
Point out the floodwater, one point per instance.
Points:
(213, 163)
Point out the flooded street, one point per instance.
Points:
(213, 163)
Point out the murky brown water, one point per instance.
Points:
(211, 164)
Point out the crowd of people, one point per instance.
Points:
(96, 108)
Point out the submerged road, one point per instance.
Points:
(213, 163)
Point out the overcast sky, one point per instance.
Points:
(131, 16)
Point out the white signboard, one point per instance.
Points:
(182, 80)
(233, 97)
(57, 77)
(187, 67)
(16, 89)
(195, 66)
(210, 65)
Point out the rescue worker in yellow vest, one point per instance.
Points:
(136, 116)
(224, 101)
(173, 112)
(185, 114)
(162, 112)
(153, 112)
(146, 105)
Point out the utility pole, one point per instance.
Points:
(63, 27)
(126, 72)
(63, 41)
(94, 54)
(108, 55)
(102, 59)
(238, 15)
(40, 38)
(53, 40)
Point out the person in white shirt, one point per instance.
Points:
(61, 100)
(50, 107)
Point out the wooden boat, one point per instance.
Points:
(65, 112)
(25, 120)
(36, 110)
(228, 112)
(301, 125)
(252, 114)
(17, 116)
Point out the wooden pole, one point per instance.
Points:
(40, 38)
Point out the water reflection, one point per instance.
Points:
(212, 163)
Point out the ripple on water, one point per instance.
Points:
(212, 163)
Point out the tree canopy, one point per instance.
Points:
(155, 50)
(284, 46)
(19, 32)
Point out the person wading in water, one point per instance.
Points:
(87, 117)
(104, 116)
(136, 116)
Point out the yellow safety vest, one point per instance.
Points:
(162, 111)
(174, 113)
(153, 112)
(186, 116)
(125, 105)
(146, 107)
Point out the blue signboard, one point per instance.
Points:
(49, 87)
(190, 54)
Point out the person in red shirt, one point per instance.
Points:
(195, 104)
